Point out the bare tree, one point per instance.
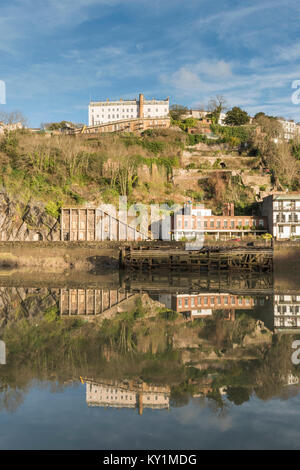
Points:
(216, 106)
(13, 117)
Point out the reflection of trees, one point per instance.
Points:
(275, 366)
(223, 334)
(179, 397)
(132, 345)
(238, 395)
(10, 399)
(216, 403)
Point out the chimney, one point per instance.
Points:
(140, 403)
(141, 105)
(228, 209)
(225, 209)
(232, 209)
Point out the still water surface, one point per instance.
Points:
(150, 362)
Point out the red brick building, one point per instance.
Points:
(190, 222)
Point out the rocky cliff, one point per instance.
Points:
(30, 222)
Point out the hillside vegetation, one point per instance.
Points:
(158, 166)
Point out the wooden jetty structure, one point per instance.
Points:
(175, 282)
(252, 259)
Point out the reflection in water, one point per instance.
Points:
(127, 394)
(90, 301)
(287, 311)
(152, 342)
(2, 353)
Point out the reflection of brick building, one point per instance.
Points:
(202, 305)
(127, 394)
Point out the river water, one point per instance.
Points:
(149, 361)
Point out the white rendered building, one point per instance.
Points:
(283, 212)
(290, 129)
(102, 112)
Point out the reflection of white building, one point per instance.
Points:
(283, 212)
(291, 379)
(286, 311)
(2, 353)
(127, 395)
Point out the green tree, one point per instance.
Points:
(236, 117)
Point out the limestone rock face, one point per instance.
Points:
(21, 302)
(20, 222)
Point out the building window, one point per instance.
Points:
(205, 224)
(232, 223)
(218, 223)
(261, 223)
(212, 224)
(293, 230)
(225, 223)
(186, 302)
(280, 228)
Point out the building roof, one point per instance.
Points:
(127, 102)
(286, 196)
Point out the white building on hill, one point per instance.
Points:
(102, 112)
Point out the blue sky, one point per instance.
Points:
(57, 54)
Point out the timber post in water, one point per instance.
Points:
(207, 259)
